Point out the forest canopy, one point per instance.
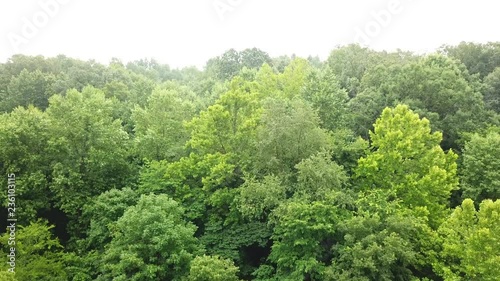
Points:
(369, 165)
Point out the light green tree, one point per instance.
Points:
(39, 256)
(7, 276)
(258, 198)
(406, 158)
(212, 268)
(470, 242)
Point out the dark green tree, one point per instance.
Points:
(492, 90)
(151, 241)
(28, 88)
(479, 58)
(480, 165)
(88, 151)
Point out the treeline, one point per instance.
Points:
(367, 166)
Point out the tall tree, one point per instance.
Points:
(228, 126)
(88, 149)
(254, 58)
(406, 159)
(349, 64)
(23, 151)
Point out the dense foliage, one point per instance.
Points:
(367, 166)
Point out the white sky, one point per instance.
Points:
(189, 32)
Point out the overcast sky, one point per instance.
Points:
(189, 32)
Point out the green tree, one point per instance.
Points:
(434, 86)
(159, 130)
(480, 165)
(7, 276)
(228, 126)
(23, 151)
(150, 241)
(103, 213)
(258, 198)
(19, 63)
(28, 88)
(280, 63)
(477, 57)
(254, 58)
(39, 256)
(226, 66)
(289, 84)
(470, 242)
(349, 64)
(88, 150)
(288, 132)
(151, 69)
(230, 63)
(328, 98)
(492, 90)
(80, 74)
(406, 158)
(293, 80)
(347, 148)
(303, 234)
(212, 268)
(317, 176)
(380, 241)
